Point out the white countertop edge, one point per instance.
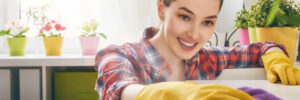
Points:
(42, 60)
(63, 60)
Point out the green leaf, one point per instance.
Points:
(24, 31)
(91, 35)
(273, 12)
(291, 20)
(3, 32)
(242, 19)
(43, 35)
(103, 35)
(19, 36)
(85, 34)
(86, 28)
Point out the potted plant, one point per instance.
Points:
(52, 37)
(257, 13)
(277, 21)
(89, 39)
(16, 40)
(241, 22)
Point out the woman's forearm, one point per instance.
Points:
(274, 49)
(131, 91)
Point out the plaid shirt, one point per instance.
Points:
(140, 63)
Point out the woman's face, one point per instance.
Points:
(188, 24)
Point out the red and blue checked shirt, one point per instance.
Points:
(140, 63)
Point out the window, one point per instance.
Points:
(122, 21)
(70, 13)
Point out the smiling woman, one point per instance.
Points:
(129, 18)
(175, 51)
(184, 24)
(171, 51)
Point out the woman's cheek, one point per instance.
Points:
(208, 33)
(177, 26)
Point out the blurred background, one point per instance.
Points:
(121, 20)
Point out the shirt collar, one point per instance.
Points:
(151, 54)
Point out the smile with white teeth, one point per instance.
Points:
(186, 43)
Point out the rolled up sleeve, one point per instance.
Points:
(242, 56)
(115, 72)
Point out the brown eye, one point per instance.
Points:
(184, 17)
(208, 23)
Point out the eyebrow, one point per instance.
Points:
(189, 11)
(211, 17)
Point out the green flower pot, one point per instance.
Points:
(17, 46)
(252, 35)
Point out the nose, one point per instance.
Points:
(194, 33)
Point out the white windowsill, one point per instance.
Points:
(42, 60)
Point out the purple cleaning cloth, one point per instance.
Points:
(259, 94)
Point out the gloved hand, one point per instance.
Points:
(278, 66)
(190, 91)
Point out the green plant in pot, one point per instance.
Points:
(16, 39)
(277, 21)
(257, 15)
(52, 37)
(89, 39)
(241, 22)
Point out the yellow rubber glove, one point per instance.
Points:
(278, 66)
(190, 91)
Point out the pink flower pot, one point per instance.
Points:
(244, 36)
(89, 45)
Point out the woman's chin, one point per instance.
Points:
(185, 56)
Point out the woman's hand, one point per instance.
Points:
(131, 91)
(278, 66)
(190, 91)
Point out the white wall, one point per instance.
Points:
(1, 14)
(122, 21)
(1, 21)
(10, 11)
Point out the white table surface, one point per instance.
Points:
(42, 60)
(63, 60)
(285, 92)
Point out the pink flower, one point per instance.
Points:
(41, 31)
(13, 22)
(51, 28)
(58, 27)
(15, 28)
(7, 26)
(63, 28)
(20, 27)
(53, 21)
(48, 27)
(17, 23)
